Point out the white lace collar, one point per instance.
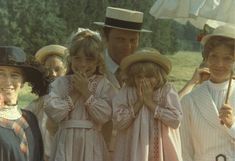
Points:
(10, 112)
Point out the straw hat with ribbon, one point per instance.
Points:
(49, 50)
(123, 19)
(149, 56)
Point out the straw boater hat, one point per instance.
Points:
(124, 19)
(49, 50)
(154, 57)
(15, 57)
(225, 31)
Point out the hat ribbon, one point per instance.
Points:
(123, 24)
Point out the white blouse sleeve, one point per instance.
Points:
(169, 112)
(123, 114)
(57, 104)
(99, 105)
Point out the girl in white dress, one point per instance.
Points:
(147, 110)
(80, 102)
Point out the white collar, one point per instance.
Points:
(111, 65)
(10, 112)
(218, 86)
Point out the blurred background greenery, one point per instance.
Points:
(31, 24)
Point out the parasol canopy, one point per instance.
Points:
(198, 12)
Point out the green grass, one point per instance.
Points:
(25, 96)
(184, 64)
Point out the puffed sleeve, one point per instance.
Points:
(99, 104)
(123, 114)
(169, 111)
(57, 103)
(185, 129)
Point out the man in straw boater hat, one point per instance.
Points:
(20, 137)
(208, 128)
(121, 31)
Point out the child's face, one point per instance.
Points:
(141, 77)
(83, 64)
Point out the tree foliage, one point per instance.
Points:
(32, 24)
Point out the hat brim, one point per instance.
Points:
(32, 74)
(104, 25)
(46, 51)
(207, 37)
(155, 58)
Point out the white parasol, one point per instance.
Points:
(198, 12)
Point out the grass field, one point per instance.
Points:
(184, 64)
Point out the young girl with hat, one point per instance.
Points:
(147, 111)
(20, 137)
(53, 59)
(208, 129)
(80, 102)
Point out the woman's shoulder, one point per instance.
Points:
(29, 116)
(199, 88)
(168, 87)
(61, 84)
(61, 80)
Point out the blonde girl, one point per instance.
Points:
(81, 102)
(147, 111)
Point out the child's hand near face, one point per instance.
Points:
(140, 100)
(80, 84)
(148, 91)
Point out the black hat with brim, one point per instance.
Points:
(15, 57)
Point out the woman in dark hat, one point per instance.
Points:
(20, 137)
